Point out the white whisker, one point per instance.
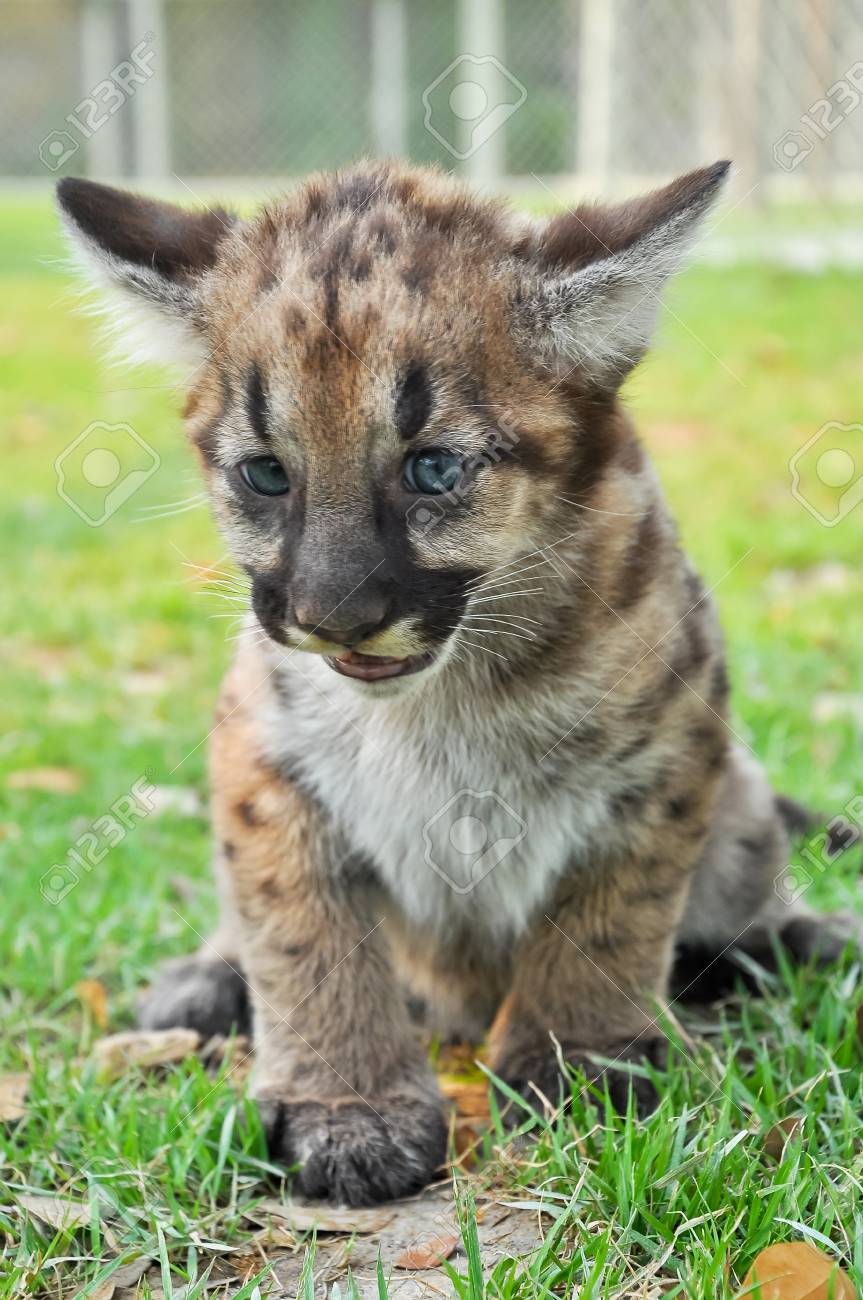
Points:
(237, 597)
(505, 595)
(168, 513)
(475, 646)
(489, 631)
(508, 576)
(621, 514)
(506, 618)
(171, 505)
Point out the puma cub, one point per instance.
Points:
(471, 763)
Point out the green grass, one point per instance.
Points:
(111, 667)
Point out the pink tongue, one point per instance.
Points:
(354, 657)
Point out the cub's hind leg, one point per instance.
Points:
(743, 898)
(206, 991)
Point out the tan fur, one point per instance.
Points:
(573, 684)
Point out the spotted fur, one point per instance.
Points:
(572, 699)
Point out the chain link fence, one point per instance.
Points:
(602, 93)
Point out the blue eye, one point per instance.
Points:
(433, 471)
(266, 476)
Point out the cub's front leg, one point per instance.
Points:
(593, 970)
(341, 1083)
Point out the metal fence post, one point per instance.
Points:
(480, 34)
(388, 98)
(594, 93)
(149, 105)
(98, 57)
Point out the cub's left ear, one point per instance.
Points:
(151, 258)
(593, 307)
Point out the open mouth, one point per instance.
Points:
(375, 668)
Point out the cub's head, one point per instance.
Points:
(393, 384)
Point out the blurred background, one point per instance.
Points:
(750, 405)
(576, 95)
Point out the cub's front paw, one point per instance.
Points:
(527, 1072)
(207, 994)
(354, 1154)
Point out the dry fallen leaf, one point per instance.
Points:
(470, 1099)
(13, 1090)
(777, 1138)
(145, 1049)
(56, 1211)
(129, 1274)
(104, 1291)
(796, 1270)
(94, 995)
(54, 780)
(302, 1218)
(428, 1254)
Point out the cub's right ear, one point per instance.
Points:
(151, 258)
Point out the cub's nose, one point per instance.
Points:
(345, 632)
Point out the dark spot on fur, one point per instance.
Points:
(382, 235)
(635, 746)
(719, 683)
(267, 278)
(630, 801)
(631, 455)
(414, 401)
(229, 849)
(680, 806)
(256, 403)
(710, 744)
(639, 560)
(247, 813)
(331, 300)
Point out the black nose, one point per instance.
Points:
(346, 634)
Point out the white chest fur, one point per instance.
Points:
(460, 824)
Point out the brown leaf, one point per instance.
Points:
(428, 1254)
(94, 995)
(467, 1138)
(777, 1138)
(129, 1274)
(56, 1211)
(796, 1270)
(145, 1049)
(104, 1291)
(470, 1099)
(13, 1090)
(54, 780)
(326, 1218)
